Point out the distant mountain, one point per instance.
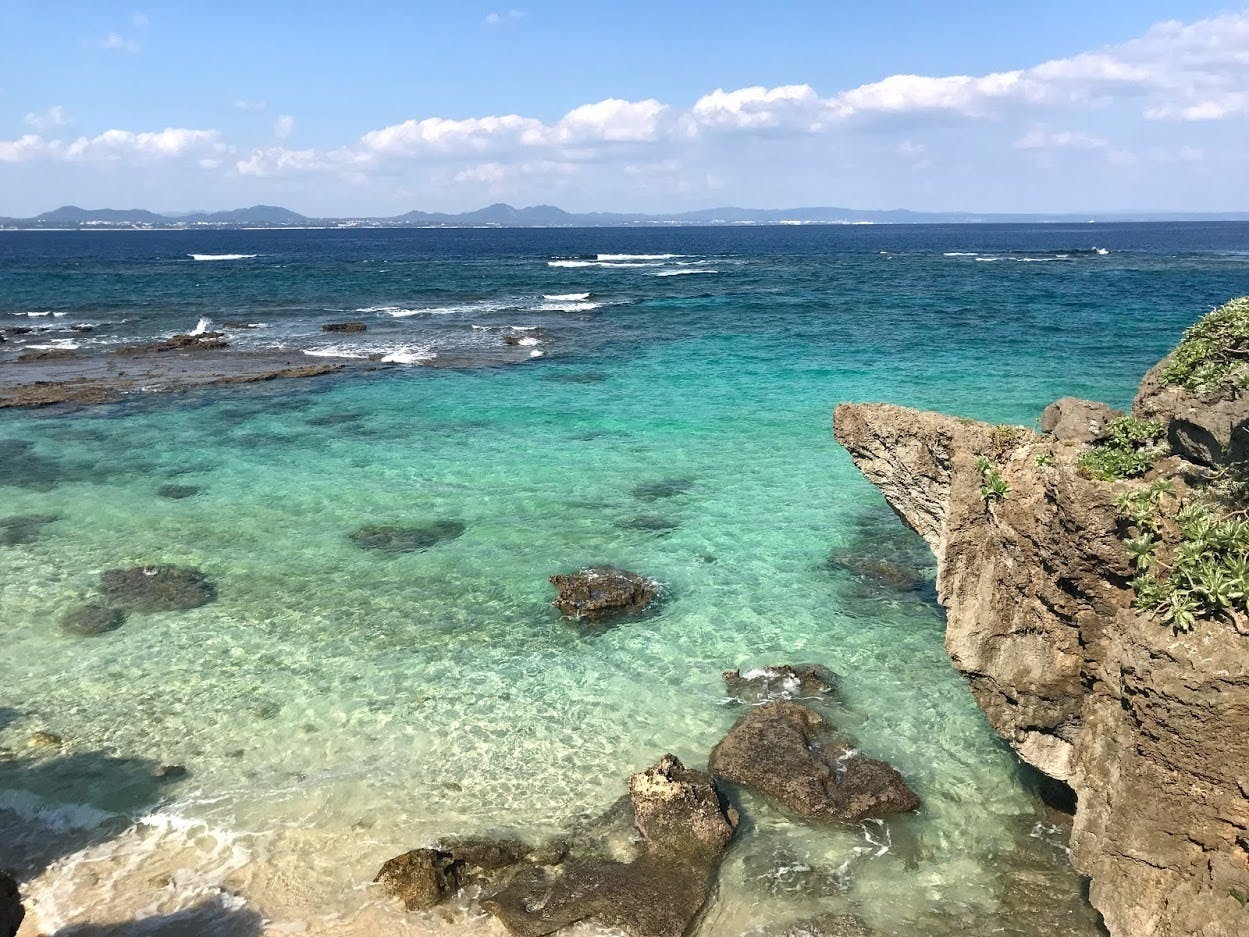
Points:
(257, 214)
(506, 216)
(72, 214)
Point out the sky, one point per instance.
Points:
(377, 107)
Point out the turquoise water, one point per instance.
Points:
(335, 706)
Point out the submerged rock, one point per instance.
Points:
(602, 591)
(1070, 419)
(793, 755)
(24, 528)
(781, 681)
(177, 492)
(344, 327)
(91, 619)
(394, 539)
(422, 877)
(826, 925)
(204, 341)
(47, 354)
(11, 910)
(663, 488)
(162, 588)
(655, 523)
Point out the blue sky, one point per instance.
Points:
(381, 107)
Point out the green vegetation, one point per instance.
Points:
(1004, 436)
(1132, 449)
(1214, 350)
(1192, 558)
(1044, 460)
(993, 487)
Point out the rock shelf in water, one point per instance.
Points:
(598, 592)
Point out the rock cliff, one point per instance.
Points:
(1146, 721)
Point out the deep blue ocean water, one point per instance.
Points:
(335, 706)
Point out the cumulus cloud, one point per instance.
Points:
(283, 126)
(503, 17)
(50, 119)
(245, 105)
(170, 143)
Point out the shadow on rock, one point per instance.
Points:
(210, 919)
(883, 558)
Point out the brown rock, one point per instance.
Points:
(793, 755)
(1070, 419)
(161, 588)
(602, 591)
(344, 327)
(1146, 725)
(422, 877)
(1210, 429)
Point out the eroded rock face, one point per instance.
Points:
(1075, 420)
(1210, 429)
(162, 588)
(780, 681)
(1149, 727)
(602, 591)
(793, 755)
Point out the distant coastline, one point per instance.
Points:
(500, 215)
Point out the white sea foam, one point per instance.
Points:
(222, 256)
(683, 272)
(336, 351)
(529, 340)
(956, 254)
(411, 354)
(568, 307)
(40, 315)
(637, 256)
(566, 297)
(535, 353)
(56, 344)
(202, 326)
(1101, 250)
(403, 312)
(603, 263)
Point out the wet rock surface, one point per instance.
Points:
(792, 754)
(780, 681)
(92, 619)
(422, 878)
(344, 327)
(825, 925)
(683, 828)
(1070, 419)
(24, 528)
(204, 341)
(598, 592)
(161, 588)
(387, 538)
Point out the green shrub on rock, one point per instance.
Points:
(1214, 350)
(1131, 450)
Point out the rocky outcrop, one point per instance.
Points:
(680, 830)
(344, 327)
(599, 592)
(1150, 727)
(1210, 428)
(793, 755)
(387, 538)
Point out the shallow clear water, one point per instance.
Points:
(335, 706)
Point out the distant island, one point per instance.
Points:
(501, 215)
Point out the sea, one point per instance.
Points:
(245, 767)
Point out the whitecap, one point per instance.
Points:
(202, 326)
(568, 307)
(222, 256)
(678, 273)
(57, 344)
(529, 340)
(535, 353)
(566, 297)
(1101, 250)
(411, 355)
(602, 263)
(637, 256)
(956, 254)
(40, 315)
(336, 351)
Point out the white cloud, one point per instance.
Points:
(283, 126)
(29, 147)
(1039, 139)
(797, 107)
(611, 120)
(244, 105)
(503, 17)
(50, 119)
(118, 43)
(169, 143)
